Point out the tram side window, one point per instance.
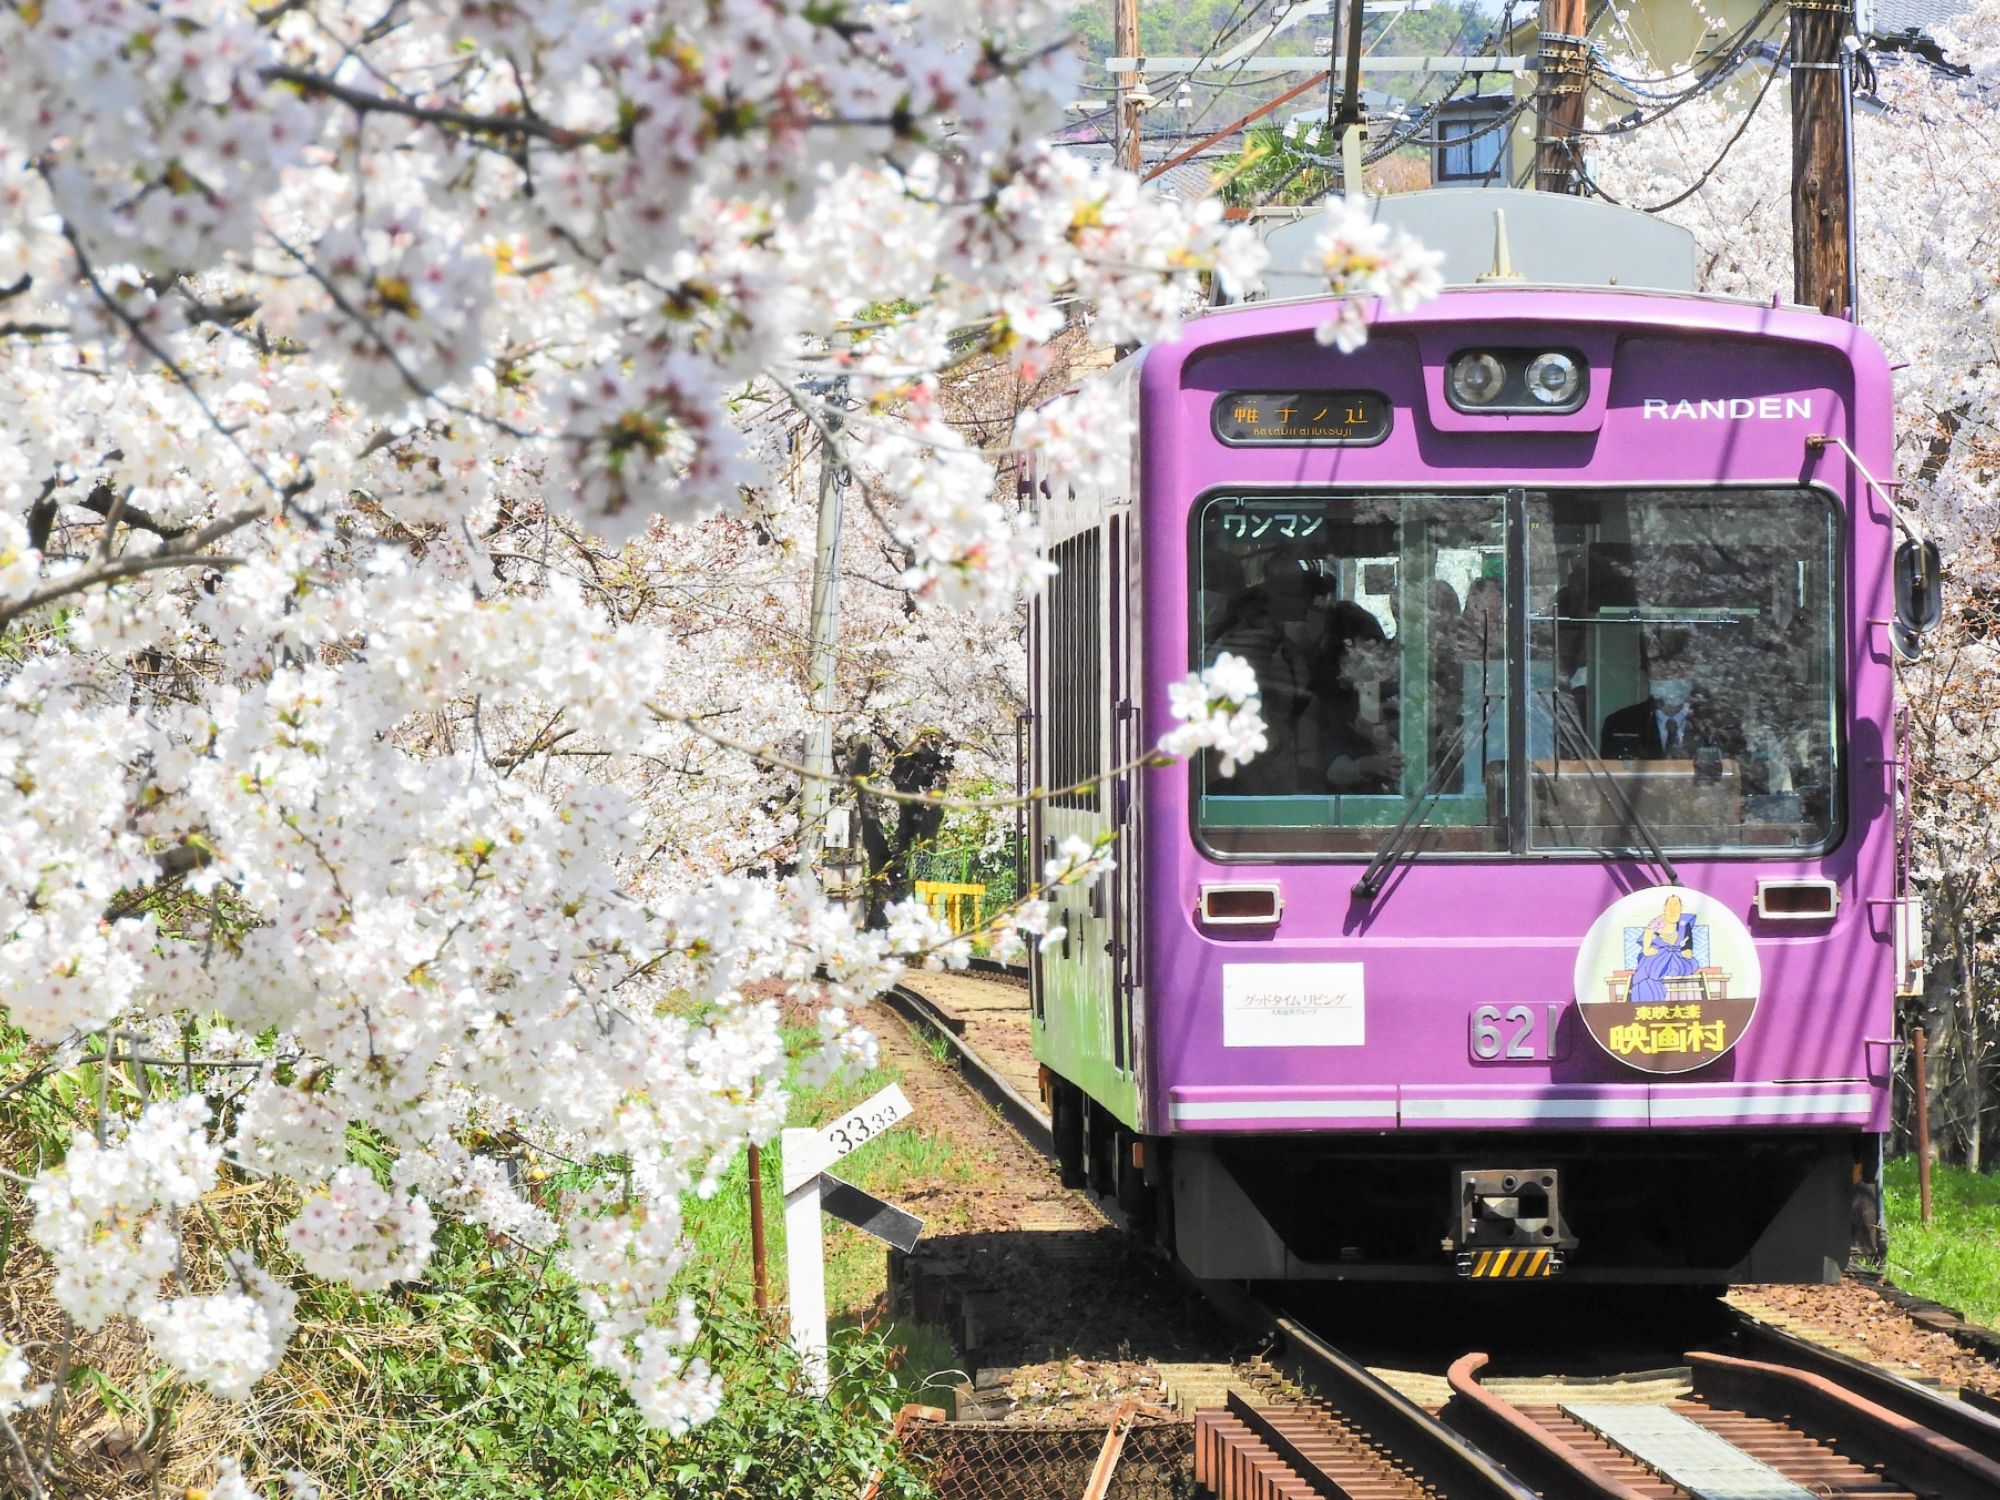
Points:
(1682, 669)
(1076, 670)
(1374, 627)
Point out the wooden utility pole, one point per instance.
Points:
(1125, 42)
(1563, 67)
(760, 1275)
(1822, 252)
(1920, 1067)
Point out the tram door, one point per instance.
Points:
(1083, 1020)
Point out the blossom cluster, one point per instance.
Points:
(105, 1213)
(1364, 260)
(226, 1341)
(18, 1388)
(354, 1230)
(1219, 709)
(372, 710)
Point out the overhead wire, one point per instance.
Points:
(1693, 66)
(1707, 76)
(1417, 126)
(1723, 66)
(1727, 146)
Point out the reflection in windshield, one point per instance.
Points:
(1684, 642)
(1678, 689)
(1374, 628)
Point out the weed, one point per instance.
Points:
(1955, 1259)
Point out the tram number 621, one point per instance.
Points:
(1515, 1033)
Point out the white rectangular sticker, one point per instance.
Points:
(1292, 1005)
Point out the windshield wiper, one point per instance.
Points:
(1569, 727)
(1402, 839)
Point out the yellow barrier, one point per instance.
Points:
(954, 904)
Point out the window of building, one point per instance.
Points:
(1468, 145)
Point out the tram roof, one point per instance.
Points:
(1720, 311)
(1548, 238)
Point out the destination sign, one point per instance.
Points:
(1250, 419)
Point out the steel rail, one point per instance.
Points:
(1027, 1121)
(1405, 1431)
(1962, 1422)
(1450, 1461)
(1912, 1450)
(1525, 1445)
(1453, 1461)
(994, 969)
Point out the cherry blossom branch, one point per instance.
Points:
(362, 102)
(388, 350)
(102, 501)
(144, 338)
(866, 786)
(184, 553)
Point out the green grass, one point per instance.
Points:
(476, 1388)
(1955, 1259)
(474, 1383)
(908, 1153)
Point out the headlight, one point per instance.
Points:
(1476, 379)
(1552, 379)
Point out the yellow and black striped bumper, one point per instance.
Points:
(1516, 1265)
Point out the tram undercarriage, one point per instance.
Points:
(1670, 1208)
(1662, 1209)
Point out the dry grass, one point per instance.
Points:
(122, 1428)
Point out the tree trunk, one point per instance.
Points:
(888, 850)
(1562, 69)
(1821, 179)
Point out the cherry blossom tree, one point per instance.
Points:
(408, 405)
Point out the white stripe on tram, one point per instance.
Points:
(1289, 1109)
(1738, 1106)
(1524, 1109)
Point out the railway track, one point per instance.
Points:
(1756, 1413)
(1776, 1428)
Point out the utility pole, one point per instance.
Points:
(815, 796)
(1350, 121)
(1564, 65)
(1125, 41)
(1822, 175)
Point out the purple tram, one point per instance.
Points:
(1559, 927)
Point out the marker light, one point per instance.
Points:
(1476, 379)
(1797, 900)
(1243, 905)
(1553, 378)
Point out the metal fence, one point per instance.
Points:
(1017, 1461)
(962, 864)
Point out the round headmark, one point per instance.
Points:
(1667, 979)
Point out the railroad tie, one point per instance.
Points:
(1293, 1451)
(1233, 1463)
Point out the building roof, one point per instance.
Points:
(1191, 179)
(1884, 19)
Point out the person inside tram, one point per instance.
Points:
(1279, 626)
(1361, 738)
(1447, 676)
(1682, 713)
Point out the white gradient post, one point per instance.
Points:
(808, 1153)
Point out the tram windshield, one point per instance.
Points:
(1672, 679)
